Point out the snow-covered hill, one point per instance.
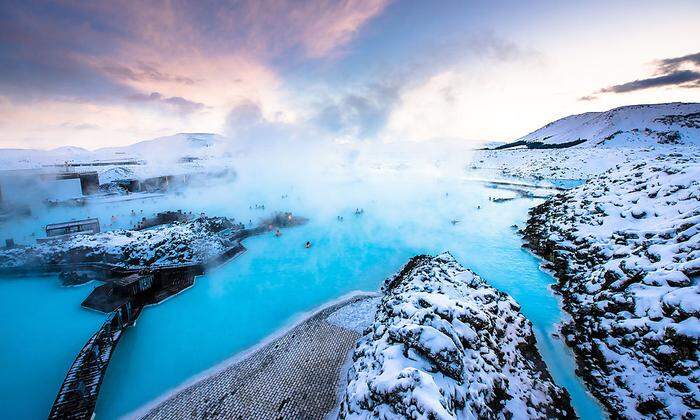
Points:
(627, 126)
(170, 147)
(159, 150)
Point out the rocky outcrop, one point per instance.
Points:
(176, 243)
(444, 344)
(625, 248)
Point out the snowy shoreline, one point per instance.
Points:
(624, 248)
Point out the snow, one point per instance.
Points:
(196, 241)
(444, 344)
(630, 246)
(635, 125)
(355, 316)
(614, 137)
(567, 164)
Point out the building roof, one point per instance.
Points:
(125, 281)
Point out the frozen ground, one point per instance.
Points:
(626, 250)
(444, 344)
(566, 164)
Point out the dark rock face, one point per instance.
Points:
(445, 344)
(624, 248)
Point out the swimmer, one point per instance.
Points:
(278, 233)
(308, 244)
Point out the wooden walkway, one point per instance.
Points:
(78, 395)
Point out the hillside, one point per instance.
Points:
(167, 149)
(627, 126)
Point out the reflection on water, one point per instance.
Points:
(237, 305)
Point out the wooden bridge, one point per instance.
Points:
(78, 395)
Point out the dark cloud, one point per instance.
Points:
(669, 65)
(175, 103)
(680, 77)
(669, 72)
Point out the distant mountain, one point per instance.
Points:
(168, 149)
(175, 146)
(69, 150)
(627, 126)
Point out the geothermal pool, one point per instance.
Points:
(235, 306)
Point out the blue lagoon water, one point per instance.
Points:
(235, 306)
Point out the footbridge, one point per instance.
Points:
(78, 395)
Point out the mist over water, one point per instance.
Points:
(410, 195)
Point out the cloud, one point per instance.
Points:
(244, 115)
(143, 72)
(361, 114)
(678, 71)
(82, 126)
(175, 103)
(676, 78)
(105, 51)
(669, 65)
(588, 98)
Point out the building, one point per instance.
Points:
(132, 285)
(65, 229)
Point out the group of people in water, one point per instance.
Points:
(278, 233)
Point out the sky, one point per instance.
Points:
(108, 73)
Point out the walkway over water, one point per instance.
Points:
(78, 394)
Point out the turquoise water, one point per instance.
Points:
(42, 328)
(237, 305)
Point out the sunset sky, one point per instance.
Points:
(103, 73)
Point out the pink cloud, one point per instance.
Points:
(319, 27)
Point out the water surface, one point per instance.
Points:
(237, 305)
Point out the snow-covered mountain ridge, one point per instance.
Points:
(627, 126)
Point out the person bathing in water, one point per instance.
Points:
(308, 244)
(278, 233)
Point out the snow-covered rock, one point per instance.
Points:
(444, 344)
(571, 163)
(625, 248)
(196, 241)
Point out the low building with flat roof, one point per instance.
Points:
(75, 227)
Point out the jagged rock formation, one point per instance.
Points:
(177, 243)
(444, 344)
(625, 248)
